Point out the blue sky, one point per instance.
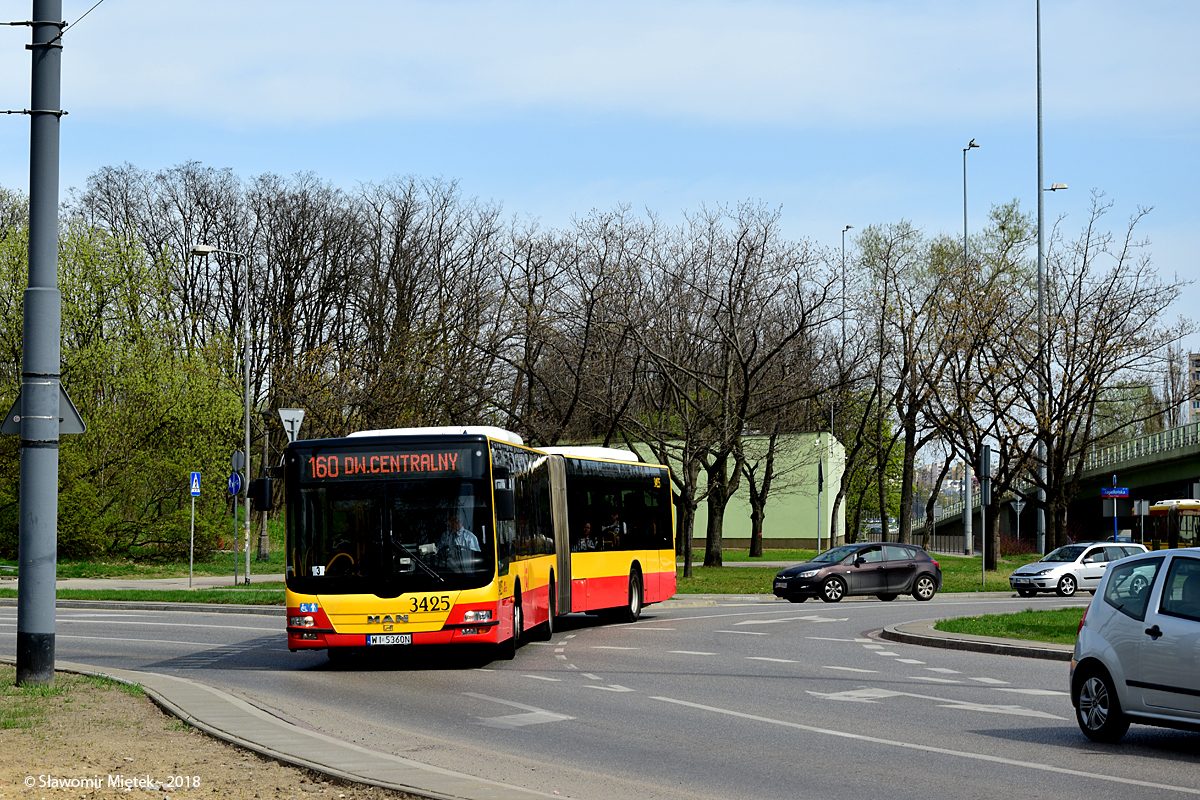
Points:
(839, 113)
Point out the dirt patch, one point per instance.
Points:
(86, 737)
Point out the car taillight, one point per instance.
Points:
(1081, 619)
(935, 563)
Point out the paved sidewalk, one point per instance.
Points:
(233, 720)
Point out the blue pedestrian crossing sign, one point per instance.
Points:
(195, 484)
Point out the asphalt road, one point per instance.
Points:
(756, 700)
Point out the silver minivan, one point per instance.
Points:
(1137, 653)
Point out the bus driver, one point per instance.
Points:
(456, 544)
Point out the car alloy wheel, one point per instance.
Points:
(924, 588)
(1097, 710)
(832, 590)
(1067, 586)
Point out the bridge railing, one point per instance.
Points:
(1148, 445)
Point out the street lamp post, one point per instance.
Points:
(965, 149)
(205, 250)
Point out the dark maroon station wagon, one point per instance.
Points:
(884, 570)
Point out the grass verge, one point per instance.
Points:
(1057, 625)
(261, 594)
(27, 706)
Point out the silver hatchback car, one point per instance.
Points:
(1137, 653)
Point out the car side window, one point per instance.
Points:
(1181, 591)
(1115, 553)
(1094, 556)
(1128, 589)
(871, 555)
(895, 552)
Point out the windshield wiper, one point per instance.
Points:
(415, 557)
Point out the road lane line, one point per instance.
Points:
(886, 653)
(642, 628)
(853, 669)
(1041, 692)
(776, 660)
(612, 687)
(944, 670)
(591, 677)
(746, 633)
(612, 647)
(932, 679)
(990, 681)
(829, 639)
(543, 678)
(1012, 762)
(691, 653)
(909, 661)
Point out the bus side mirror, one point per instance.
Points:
(505, 504)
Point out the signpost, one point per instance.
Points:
(1114, 493)
(234, 484)
(291, 417)
(195, 482)
(1018, 506)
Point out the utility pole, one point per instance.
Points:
(40, 377)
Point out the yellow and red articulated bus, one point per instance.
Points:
(464, 535)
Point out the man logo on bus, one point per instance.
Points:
(373, 619)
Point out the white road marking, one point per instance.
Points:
(691, 653)
(931, 679)
(862, 640)
(909, 661)
(533, 715)
(544, 644)
(945, 670)
(873, 646)
(776, 660)
(853, 669)
(886, 653)
(560, 649)
(1042, 692)
(746, 633)
(772, 621)
(572, 636)
(870, 694)
(612, 687)
(1078, 773)
(591, 677)
(828, 639)
(991, 681)
(612, 647)
(543, 678)
(643, 628)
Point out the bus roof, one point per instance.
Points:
(447, 430)
(1163, 506)
(609, 453)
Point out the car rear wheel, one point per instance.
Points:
(832, 590)
(1026, 592)
(887, 598)
(924, 588)
(1097, 709)
(1067, 586)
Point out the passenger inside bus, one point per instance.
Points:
(614, 532)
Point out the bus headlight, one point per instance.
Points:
(302, 622)
(477, 616)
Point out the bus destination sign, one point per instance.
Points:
(357, 465)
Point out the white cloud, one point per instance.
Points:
(799, 64)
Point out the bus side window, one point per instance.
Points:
(505, 534)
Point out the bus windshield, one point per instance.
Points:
(386, 537)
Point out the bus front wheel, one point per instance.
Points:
(632, 611)
(507, 650)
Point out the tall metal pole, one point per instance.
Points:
(1041, 308)
(246, 358)
(965, 149)
(38, 535)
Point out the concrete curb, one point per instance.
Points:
(922, 632)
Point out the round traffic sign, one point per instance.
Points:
(235, 483)
(237, 460)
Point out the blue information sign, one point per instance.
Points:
(1122, 491)
(195, 484)
(235, 483)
